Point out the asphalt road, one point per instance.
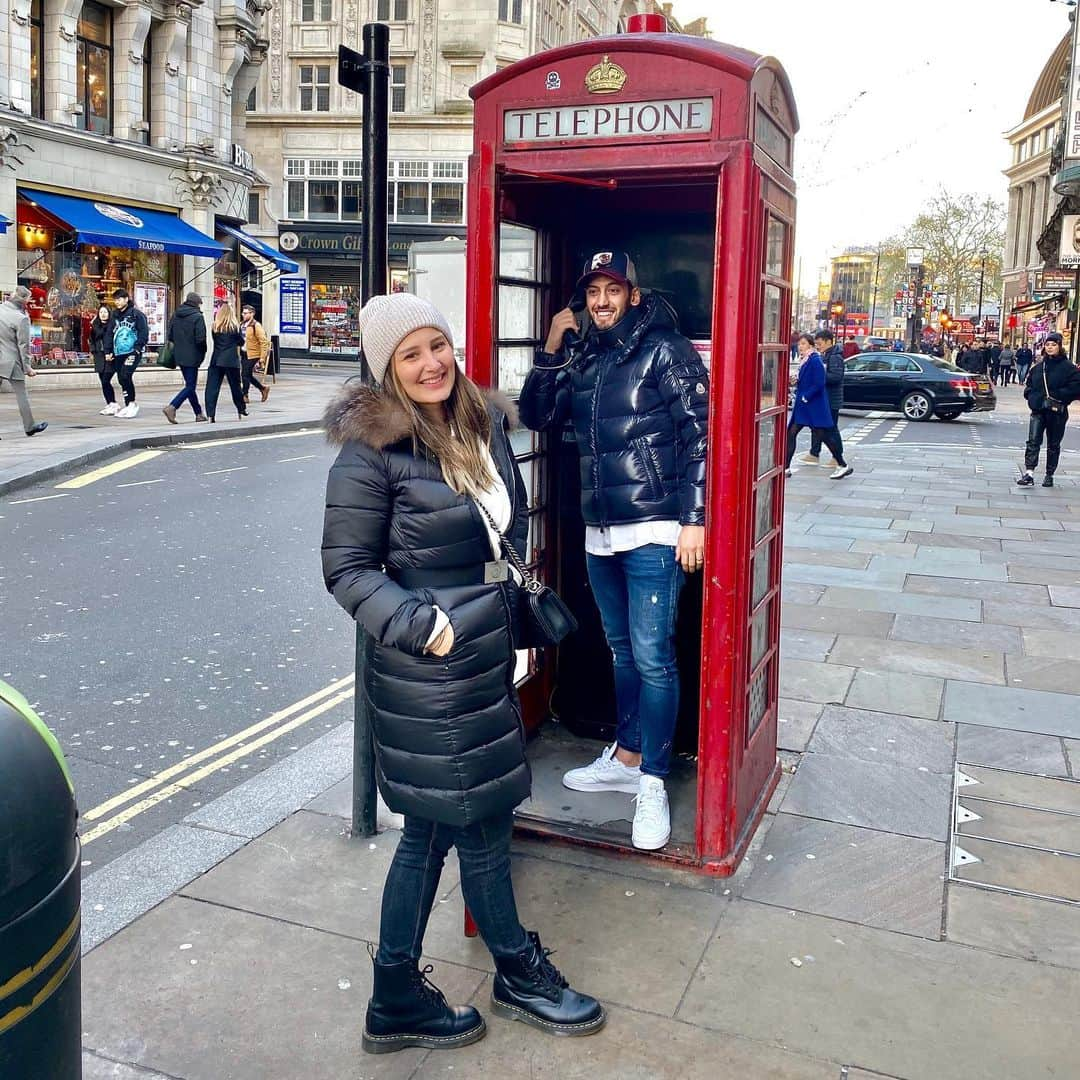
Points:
(161, 610)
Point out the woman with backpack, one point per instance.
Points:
(256, 351)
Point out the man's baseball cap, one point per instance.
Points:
(616, 265)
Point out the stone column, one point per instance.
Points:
(61, 60)
(202, 114)
(167, 77)
(131, 25)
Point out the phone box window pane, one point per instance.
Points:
(760, 636)
(517, 252)
(771, 314)
(517, 312)
(761, 574)
(514, 365)
(770, 374)
(774, 255)
(763, 508)
(766, 455)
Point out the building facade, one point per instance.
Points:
(304, 133)
(852, 284)
(123, 162)
(1032, 295)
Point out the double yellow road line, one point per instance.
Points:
(188, 772)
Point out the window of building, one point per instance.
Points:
(316, 10)
(418, 191)
(314, 87)
(391, 10)
(249, 105)
(510, 11)
(253, 214)
(37, 58)
(322, 200)
(398, 74)
(144, 135)
(94, 67)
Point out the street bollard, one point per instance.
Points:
(40, 999)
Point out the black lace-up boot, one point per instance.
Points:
(530, 988)
(407, 1010)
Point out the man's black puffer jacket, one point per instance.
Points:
(449, 742)
(1062, 377)
(638, 397)
(834, 376)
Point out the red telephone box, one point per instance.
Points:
(677, 150)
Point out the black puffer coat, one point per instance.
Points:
(449, 741)
(1062, 377)
(833, 358)
(187, 332)
(639, 400)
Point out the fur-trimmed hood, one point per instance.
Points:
(362, 413)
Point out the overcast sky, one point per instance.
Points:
(895, 101)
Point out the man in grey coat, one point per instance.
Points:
(15, 366)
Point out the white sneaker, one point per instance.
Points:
(809, 459)
(129, 412)
(652, 819)
(841, 472)
(110, 410)
(606, 773)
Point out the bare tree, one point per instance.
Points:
(954, 231)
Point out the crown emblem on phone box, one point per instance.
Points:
(605, 78)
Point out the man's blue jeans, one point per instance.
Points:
(637, 593)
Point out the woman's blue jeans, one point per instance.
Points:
(413, 880)
(637, 593)
(191, 380)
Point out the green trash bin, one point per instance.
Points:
(40, 999)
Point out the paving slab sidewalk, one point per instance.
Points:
(844, 946)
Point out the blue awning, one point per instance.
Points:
(114, 225)
(253, 243)
(4, 223)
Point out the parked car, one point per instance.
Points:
(915, 384)
(877, 344)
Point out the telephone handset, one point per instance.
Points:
(572, 342)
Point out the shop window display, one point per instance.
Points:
(69, 281)
(334, 325)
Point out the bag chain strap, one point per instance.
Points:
(529, 583)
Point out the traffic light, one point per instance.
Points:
(837, 310)
(945, 320)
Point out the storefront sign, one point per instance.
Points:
(292, 314)
(242, 158)
(153, 301)
(633, 120)
(1069, 252)
(1051, 281)
(340, 243)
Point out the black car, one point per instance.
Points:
(915, 384)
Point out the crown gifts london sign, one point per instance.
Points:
(632, 120)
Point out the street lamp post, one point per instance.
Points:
(982, 274)
(915, 256)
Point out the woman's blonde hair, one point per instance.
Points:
(459, 444)
(226, 320)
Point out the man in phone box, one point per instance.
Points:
(637, 394)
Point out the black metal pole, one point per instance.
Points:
(375, 84)
(873, 303)
(1076, 315)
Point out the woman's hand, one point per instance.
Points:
(690, 549)
(443, 643)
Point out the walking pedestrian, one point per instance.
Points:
(812, 410)
(100, 350)
(993, 360)
(833, 359)
(256, 350)
(187, 333)
(637, 395)
(225, 362)
(1052, 384)
(1024, 358)
(130, 333)
(425, 460)
(1007, 365)
(15, 363)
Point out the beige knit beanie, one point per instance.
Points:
(386, 320)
